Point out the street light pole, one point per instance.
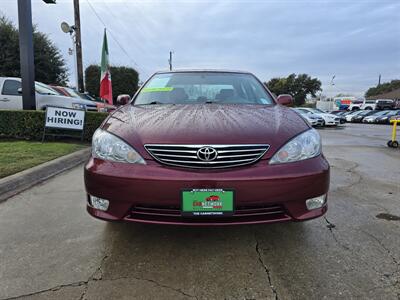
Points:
(26, 54)
(78, 46)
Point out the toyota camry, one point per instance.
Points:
(206, 147)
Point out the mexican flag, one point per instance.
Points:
(105, 77)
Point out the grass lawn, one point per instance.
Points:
(16, 156)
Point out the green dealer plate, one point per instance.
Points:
(207, 202)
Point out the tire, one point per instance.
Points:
(395, 144)
(368, 108)
(389, 144)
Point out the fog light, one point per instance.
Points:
(98, 203)
(316, 202)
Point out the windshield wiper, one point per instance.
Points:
(154, 102)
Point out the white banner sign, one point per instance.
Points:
(65, 118)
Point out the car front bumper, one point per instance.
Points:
(332, 122)
(152, 193)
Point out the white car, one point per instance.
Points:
(11, 96)
(329, 119)
(366, 104)
(350, 116)
(311, 118)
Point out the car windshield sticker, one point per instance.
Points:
(159, 81)
(162, 89)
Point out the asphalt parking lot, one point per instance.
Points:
(50, 248)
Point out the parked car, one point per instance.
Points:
(175, 145)
(385, 119)
(11, 96)
(311, 118)
(369, 105)
(351, 115)
(364, 113)
(329, 119)
(383, 104)
(372, 118)
(364, 105)
(70, 92)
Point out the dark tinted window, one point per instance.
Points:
(203, 87)
(10, 87)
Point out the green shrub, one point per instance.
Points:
(29, 124)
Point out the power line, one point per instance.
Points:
(112, 35)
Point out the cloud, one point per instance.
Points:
(355, 40)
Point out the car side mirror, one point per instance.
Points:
(123, 99)
(285, 100)
(19, 91)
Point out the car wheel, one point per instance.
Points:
(389, 143)
(395, 144)
(368, 108)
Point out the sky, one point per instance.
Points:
(354, 41)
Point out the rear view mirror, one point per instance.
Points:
(123, 99)
(285, 100)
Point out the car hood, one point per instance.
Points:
(205, 124)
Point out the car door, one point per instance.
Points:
(10, 98)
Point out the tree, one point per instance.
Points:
(383, 88)
(49, 63)
(299, 86)
(124, 80)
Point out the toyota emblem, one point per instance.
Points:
(207, 154)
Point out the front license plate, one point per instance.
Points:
(207, 202)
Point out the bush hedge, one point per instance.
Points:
(29, 124)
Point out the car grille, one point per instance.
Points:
(187, 155)
(91, 107)
(245, 214)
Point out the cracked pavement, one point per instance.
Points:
(50, 248)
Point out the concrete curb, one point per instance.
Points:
(14, 184)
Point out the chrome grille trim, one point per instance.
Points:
(230, 155)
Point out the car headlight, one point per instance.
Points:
(303, 146)
(78, 106)
(109, 147)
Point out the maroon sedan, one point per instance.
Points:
(188, 137)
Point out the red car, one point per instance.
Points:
(189, 135)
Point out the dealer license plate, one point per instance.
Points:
(207, 202)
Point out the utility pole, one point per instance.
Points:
(78, 46)
(170, 60)
(379, 80)
(26, 54)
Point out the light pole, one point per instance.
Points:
(78, 47)
(26, 54)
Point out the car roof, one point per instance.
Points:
(202, 71)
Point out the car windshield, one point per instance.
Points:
(357, 112)
(303, 112)
(391, 113)
(318, 111)
(203, 87)
(72, 92)
(44, 89)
